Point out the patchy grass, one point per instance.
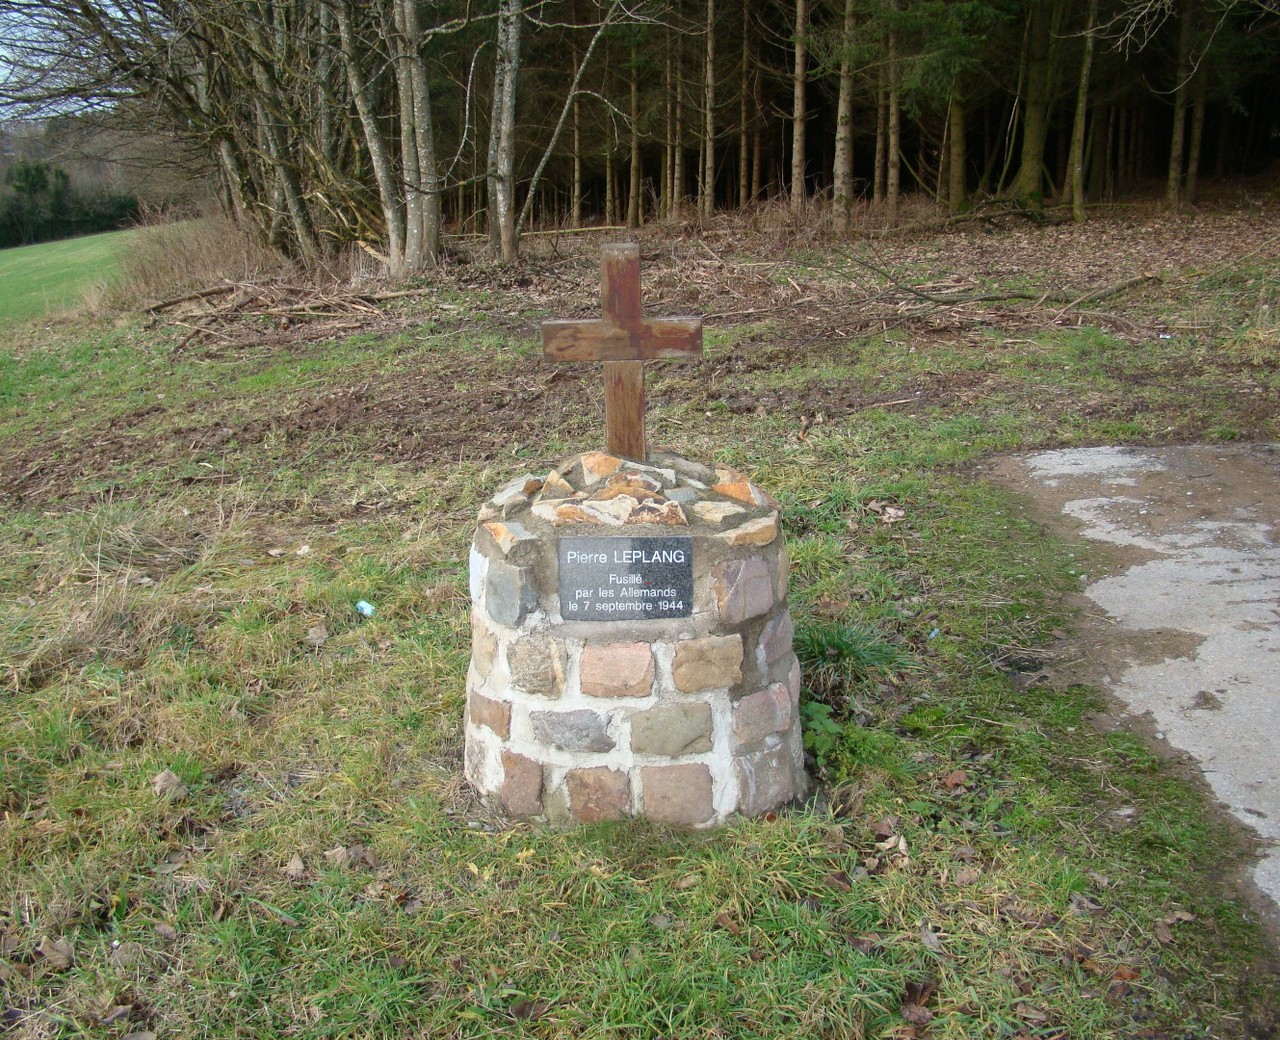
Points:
(187, 534)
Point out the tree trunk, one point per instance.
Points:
(417, 143)
(744, 113)
(799, 111)
(501, 172)
(668, 134)
(842, 174)
(375, 141)
(1197, 139)
(1178, 140)
(893, 146)
(633, 196)
(882, 136)
(1076, 160)
(757, 163)
(678, 174)
(610, 204)
(708, 188)
(1028, 184)
(958, 159)
(565, 110)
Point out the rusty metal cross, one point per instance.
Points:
(624, 340)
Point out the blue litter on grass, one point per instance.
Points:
(364, 608)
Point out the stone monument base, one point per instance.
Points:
(632, 646)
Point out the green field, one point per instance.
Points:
(231, 806)
(40, 280)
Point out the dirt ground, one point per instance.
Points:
(934, 287)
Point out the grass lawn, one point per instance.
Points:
(47, 278)
(222, 820)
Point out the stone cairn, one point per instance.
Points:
(683, 720)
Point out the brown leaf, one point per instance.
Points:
(529, 1010)
(930, 939)
(967, 875)
(725, 920)
(295, 869)
(131, 955)
(916, 1014)
(350, 856)
(885, 827)
(58, 953)
(318, 635)
(167, 784)
(167, 932)
(687, 882)
(119, 1013)
(956, 778)
(1164, 935)
(1126, 973)
(839, 880)
(919, 992)
(1030, 1013)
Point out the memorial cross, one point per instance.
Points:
(624, 341)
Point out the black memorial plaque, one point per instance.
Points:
(625, 579)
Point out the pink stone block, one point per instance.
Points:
(679, 794)
(777, 637)
(765, 780)
(598, 794)
(759, 714)
(485, 711)
(743, 588)
(617, 670)
(521, 785)
(714, 662)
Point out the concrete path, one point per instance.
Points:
(1191, 632)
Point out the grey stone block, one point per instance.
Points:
(672, 730)
(509, 593)
(581, 730)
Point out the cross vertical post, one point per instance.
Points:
(624, 433)
(623, 339)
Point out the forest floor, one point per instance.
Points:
(217, 776)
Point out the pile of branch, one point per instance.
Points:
(223, 313)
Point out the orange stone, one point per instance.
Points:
(655, 512)
(596, 465)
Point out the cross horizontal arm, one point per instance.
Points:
(594, 339)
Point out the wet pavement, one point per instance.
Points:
(1185, 626)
